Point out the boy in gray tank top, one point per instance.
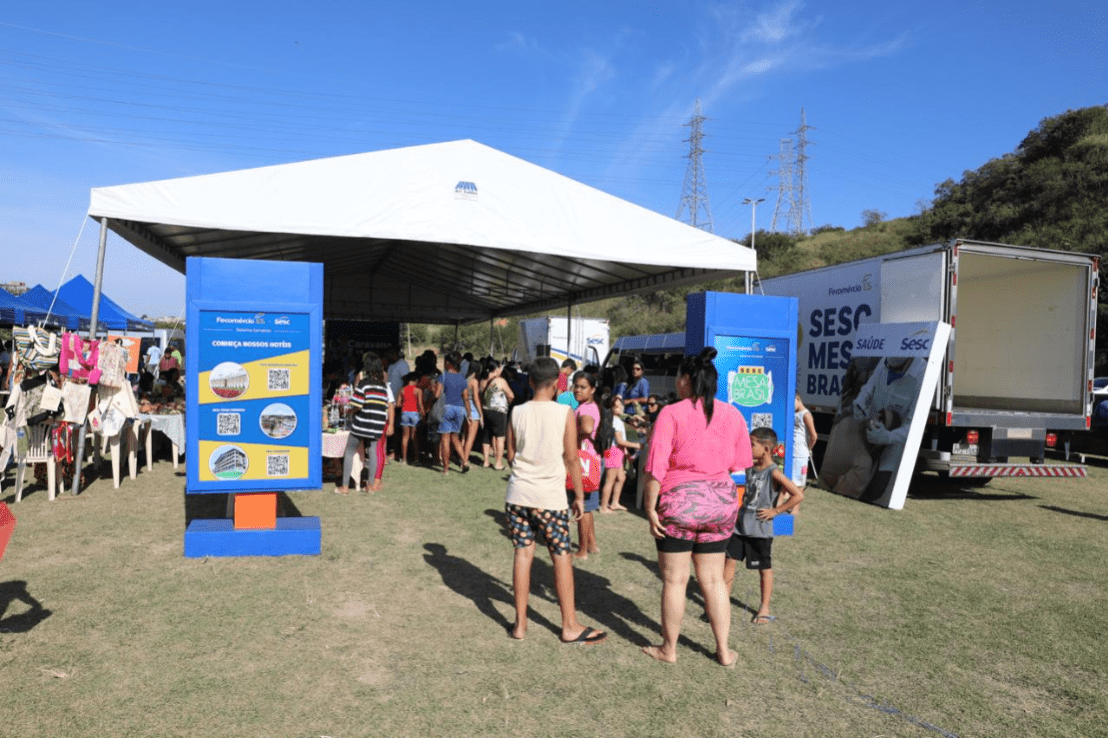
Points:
(752, 539)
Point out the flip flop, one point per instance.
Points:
(512, 633)
(762, 620)
(587, 637)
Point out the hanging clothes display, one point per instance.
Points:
(74, 363)
(112, 364)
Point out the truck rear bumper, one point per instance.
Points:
(961, 470)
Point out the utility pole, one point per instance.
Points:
(748, 282)
(694, 193)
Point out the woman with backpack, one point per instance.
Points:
(496, 398)
(594, 433)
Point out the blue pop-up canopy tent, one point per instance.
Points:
(17, 311)
(11, 311)
(60, 311)
(79, 291)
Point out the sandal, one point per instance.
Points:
(587, 637)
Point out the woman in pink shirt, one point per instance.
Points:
(691, 502)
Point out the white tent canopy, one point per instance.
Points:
(442, 233)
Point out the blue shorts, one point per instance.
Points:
(409, 419)
(474, 412)
(592, 500)
(452, 418)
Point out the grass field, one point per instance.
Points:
(967, 613)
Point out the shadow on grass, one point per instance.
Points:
(1067, 511)
(470, 581)
(214, 505)
(935, 488)
(693, 589)
(16, 590)
(595, 599)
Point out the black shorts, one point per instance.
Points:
(755, 550)
(671, 544)
(496, 423)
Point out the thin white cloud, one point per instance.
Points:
(732, 47)
(594, 70)
(775, 25)
(776, 40)
(662, 72)
(515, 42)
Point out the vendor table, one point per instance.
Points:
(172, 425)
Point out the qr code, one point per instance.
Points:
(761, 420)
(277, 465)
(278, 379)
(228, 424)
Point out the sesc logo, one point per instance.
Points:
(915, 345)
(282, 321)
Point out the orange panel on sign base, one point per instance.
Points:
(255, 510)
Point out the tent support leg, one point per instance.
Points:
(569, 330)
(96, 288)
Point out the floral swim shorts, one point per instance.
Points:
(524, 522)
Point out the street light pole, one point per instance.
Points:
(749, 283)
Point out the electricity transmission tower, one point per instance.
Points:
(793, 203)
(801, 207)
(784, 174)
(694, 193)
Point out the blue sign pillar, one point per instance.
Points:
(755, 337)
(254, 368)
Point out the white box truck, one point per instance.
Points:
(1019, 362)
(584, 340)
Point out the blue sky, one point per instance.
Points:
(900, 96)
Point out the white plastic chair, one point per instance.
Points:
(39, 449)
(125, 438)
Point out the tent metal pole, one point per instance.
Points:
(569, 330)
(79, 459)
(491, 346)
